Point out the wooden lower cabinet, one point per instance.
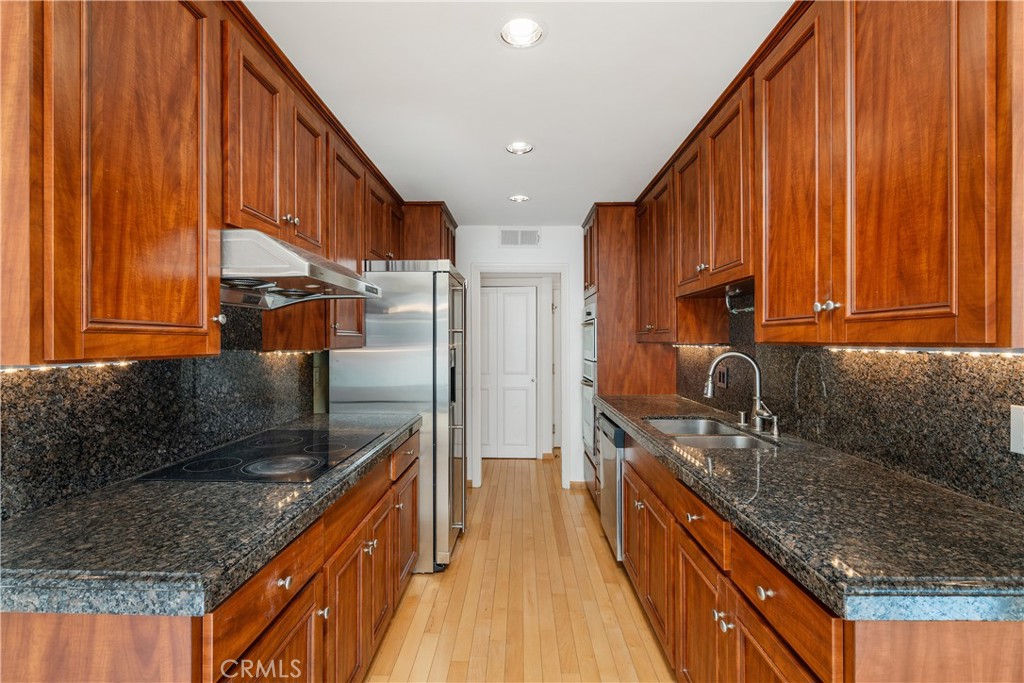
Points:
(752, 652)
(406, 527)
(346, 648)
(647, 554)
(291, 649)
(699, 587)
(380, 588)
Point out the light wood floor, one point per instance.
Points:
(532, 594)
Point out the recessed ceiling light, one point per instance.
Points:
(519, 147)
(519, 198)
(522, 32)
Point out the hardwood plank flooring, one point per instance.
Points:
(533, 594)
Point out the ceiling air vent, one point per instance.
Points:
(520, 238)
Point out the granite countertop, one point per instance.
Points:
(173, 548)
(870, 543)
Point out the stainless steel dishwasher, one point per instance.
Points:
(611, 446)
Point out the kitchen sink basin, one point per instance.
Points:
(691, 426)
(736, 440)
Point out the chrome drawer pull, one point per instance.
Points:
(693, 518)
(764, 593)
(285, 583)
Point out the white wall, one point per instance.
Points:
(478, 251)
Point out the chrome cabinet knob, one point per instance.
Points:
(702, 267)
(325, 612)
(724, 625)
(827, 306)
(400, 506)
(716, 615)
(411, 451)
(285, 583)
(295, 220)
(220, 319)
(764, 593)
(287, 218)
(690, 519)
(648, 327)
(368, 547)
(639, 505)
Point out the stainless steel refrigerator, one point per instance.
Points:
(413, 362)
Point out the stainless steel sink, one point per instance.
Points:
(691, 426)
(737, 440)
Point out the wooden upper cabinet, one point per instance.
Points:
(691, 207)
(656, 304)
(427, 232)
(793, 210)
(383, 227)
(346, 209)
(915, 138)
(307, 178)
(590, 254)
(129, 241)
(256, 110)
(712, 200)
(729, 147)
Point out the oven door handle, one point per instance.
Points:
(587, 383)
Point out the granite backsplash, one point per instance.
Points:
(945, 419)
(68, 431)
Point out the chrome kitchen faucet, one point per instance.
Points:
(759, 410)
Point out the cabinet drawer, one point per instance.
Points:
(236, 623)
(808, 627)
(404, 456)
(711, 531)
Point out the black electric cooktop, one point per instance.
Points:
(276, 455)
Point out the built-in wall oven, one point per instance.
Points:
(591, 468)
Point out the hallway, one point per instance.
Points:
(533, 595)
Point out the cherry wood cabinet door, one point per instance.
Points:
(378, 217)
(346, 649)
(729, 157)
(657, 526)
(691, 196)
(306, 173)
(291, 649)
(916, 137)
(647, 292)
(663, 229)
(697, 604)
(131, 250)
(406, 525)
(394, 228)
(752, 652)
(255, 95)
(346, 211)
(656, 298)
(379, 570)
(632, 498)
(793, 208)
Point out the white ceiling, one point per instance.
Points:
(433, 96)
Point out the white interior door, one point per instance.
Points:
(488, 372)
(509, 372)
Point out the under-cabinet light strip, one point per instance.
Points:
(63, 366)
(972, 353)
(700, 346)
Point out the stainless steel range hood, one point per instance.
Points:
(260, 271)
